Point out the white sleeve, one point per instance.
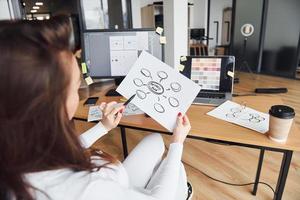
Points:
(92, 135)
(166, 178)
(163, 188)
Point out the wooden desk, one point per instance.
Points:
(210, 129)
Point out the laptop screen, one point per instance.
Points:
(207, 72)
(210, 72)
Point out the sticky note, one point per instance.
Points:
(159, 30)
(230, 73)
(163, 40)
(83, 68)
(183, 58)
(181, 68)
(88, 80)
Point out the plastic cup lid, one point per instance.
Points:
(282, 111)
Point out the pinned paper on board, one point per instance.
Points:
(242, 115)
(89, 80)
(83, 68)
(123, 53)
(163, 40)
(159, 30)
(160, 90)
(95, 113)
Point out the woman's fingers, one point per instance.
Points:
(117, 109)
(179, 118)
(186, 120)
(118, 118)
(109, 107)
(102, 105)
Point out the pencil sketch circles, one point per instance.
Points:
(155, 84)
(240, 113)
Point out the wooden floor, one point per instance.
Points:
(228, 163)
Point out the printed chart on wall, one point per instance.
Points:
(206, 72)
(124, 52)
(161, 91)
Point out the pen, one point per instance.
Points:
(128, 101)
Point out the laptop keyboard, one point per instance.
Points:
(211, 95)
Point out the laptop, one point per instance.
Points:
(215, 76)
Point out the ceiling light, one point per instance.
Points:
(40, 18)
(24, 4)
(35, 7)
(33, 11)
(47, 17)
(39, 3)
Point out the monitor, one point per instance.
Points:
(197, 33)
(111, 54)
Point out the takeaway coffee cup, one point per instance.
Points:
(281, 119)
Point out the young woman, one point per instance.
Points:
(40, 155)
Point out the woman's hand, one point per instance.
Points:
(182, 128)
(111, 114)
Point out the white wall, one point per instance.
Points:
(176, 30)
(198, 14)
(4, 10)
(216, 14)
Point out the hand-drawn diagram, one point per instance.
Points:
(132, 109)
(156, 86)
(240, 113)
(161, 92)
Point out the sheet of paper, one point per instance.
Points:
(116, 42)
(121, 61)
(131, 109)
(143, 40)
(242, 115)
(95, 113)
(161, 91)
(130, 43)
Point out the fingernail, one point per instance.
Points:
(179, 114)
(183, 119)
(121, 111)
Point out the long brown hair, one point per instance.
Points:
(35, 133)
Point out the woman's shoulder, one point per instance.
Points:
(58, 183)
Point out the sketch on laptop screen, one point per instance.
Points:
(206, 72)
